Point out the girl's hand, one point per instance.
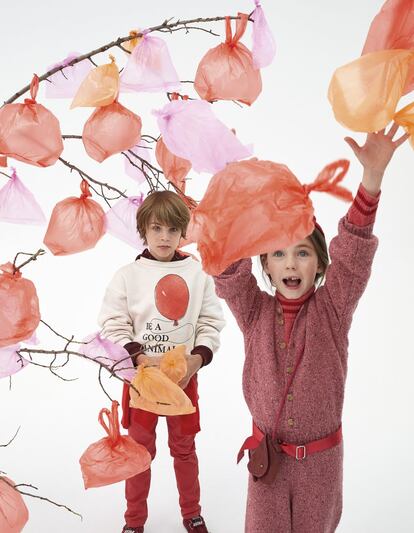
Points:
(194, 362)
(375, 155)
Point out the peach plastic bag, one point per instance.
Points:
(190, 130)
(66, 82)
(175, 168)
(364, 93)
(99, 88)
(110, 130)
(227, 72)
(19, 306)
(174, 363)
(13, 511)
(76, 224)
(405, 118)
(29, 132)
(264, 46)
(254, 206)
(121, 221)
(158, 394)
(113, 458)
(18, 205)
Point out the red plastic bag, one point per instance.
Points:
(110, 130)
(227, 72)
(76, 224)
(19, 306)
(13, 511)
(175, 168)
(29, 132)
(113, 458)
(255, 206)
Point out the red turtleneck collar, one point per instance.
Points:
(291, 308)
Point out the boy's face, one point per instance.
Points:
(293, 269)
(162, 240)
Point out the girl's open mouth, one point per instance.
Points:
(292, 282)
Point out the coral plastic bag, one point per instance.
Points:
(190, 130)
(99, 88)
(18, 205)
(254, 206)
(13, 511)
(364, 93)
(174, 363)
(175, 168)
(264, 46)
(110, 130)
(150, 68)
(19, 306)
(29, 132)
(121, 221)
(158, 394)
(66, 82)
(113, 458)
(227, 72)
(76, 224)
(10, 361)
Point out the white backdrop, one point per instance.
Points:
(291, 123)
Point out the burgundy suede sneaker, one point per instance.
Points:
(196, 525)
(128, 529)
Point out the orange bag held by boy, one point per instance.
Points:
(227, 72)
(174, 363)
(115, 457)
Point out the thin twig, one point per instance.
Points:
(4, 174)
(33, 257)
(11, 440)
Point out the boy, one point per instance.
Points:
(161, 300)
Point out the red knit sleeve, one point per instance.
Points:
(364, 208)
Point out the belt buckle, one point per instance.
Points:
(298, 457)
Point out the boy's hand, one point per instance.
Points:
(375, 155)
(194, 362)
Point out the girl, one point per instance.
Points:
(296, 358)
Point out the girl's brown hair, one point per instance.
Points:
(167, 208)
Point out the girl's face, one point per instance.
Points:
(162, 240)
(293, 269)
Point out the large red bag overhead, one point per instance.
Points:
(227, 72)
(76, 224)
(252, 207)
(29, 132)
(19, 306)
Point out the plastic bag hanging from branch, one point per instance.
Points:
(29, 132)
(99, 88)
(175, 168)
(19, 306)
(76, 224)
(18, 205)
(10, 361)
(264, 46)
(121, 221)
(227, 72)
(13, 511)
(110, 130)
(131, 44)
(252, 207)
(66, 82)
(115, 457)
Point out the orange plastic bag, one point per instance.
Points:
(130, 45)
(227, 72)
(76, 224)
(13, 511)
(252, 207)
(405, 118)
(364, 93)
(174, 363)
(29, 132)
(99, 88)
(175, 168)
(113, 458)
(110, 130)
(19, 306)
(158, 394)
(393, 28)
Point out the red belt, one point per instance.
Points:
(296, 451)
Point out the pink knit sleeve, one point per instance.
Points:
(364, 208)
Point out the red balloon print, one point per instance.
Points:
(171, 297)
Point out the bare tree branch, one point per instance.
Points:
(33, 257)
(11, 440)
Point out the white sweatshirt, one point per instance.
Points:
(162, 304)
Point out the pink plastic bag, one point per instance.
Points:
(109, 354)
(133, 171)
(110, 130)
(10, 361)
(190, 130)
(264, 46)
(29, 132)
(76, 224)
(18, 205)
(13, 511)
(19, 306)
(113, 458)
(175, 168)
(66, 82)
(149, 68)
(121, 221)
(252, 207)
(227, 72)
